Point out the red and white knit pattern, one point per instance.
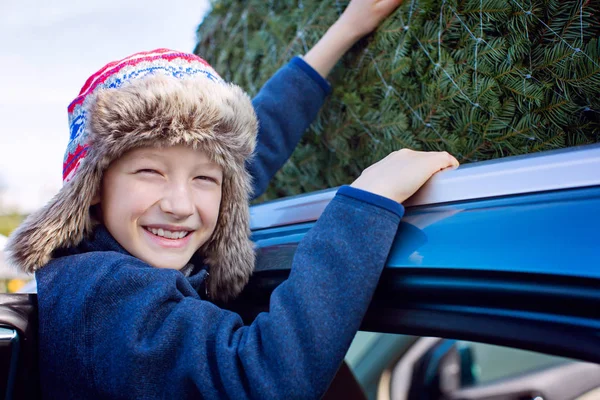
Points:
(114, 75)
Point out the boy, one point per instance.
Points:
(156, 199)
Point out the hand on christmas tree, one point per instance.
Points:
(399, 175)
(360, 18)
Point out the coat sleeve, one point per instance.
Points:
(285, 107)
(154, 341)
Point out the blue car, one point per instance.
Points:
(491, 291)
(503, 252)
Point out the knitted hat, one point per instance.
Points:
(155, 98)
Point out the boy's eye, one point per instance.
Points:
(206, 178)
(147, 171)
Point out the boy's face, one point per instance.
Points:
(161, 205)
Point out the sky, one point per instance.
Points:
(49, 49)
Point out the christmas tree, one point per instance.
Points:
(481, 79)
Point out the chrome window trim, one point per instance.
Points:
(531, 173)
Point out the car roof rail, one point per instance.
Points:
(568, 168)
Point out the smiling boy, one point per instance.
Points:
(176, 206)
(151, 229)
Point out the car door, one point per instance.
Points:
(504, 252)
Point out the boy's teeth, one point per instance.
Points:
(168, 234)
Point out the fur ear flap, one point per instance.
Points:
(230, 253)
(62, 223)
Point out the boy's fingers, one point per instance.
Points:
(393, 4)
(445, 160)
(450, 159)
(448, 156)
(388, 6)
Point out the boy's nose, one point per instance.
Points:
(177, 201)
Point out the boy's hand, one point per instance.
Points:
(361, 17)
(358, 19)
(399, 175)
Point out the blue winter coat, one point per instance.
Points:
(111, 326)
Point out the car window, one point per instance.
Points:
(377, 361)
(371, 353)
(497, 362)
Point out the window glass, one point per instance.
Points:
(378, 362)
(497, 362)
(371, 353)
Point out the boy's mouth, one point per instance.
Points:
(167, 234)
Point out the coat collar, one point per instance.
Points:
(101, 240)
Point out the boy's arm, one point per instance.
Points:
(291, 99)
(285, 107)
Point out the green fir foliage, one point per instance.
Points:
(481, 79)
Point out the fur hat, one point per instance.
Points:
(156, 98)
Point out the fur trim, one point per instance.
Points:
(158, 111)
